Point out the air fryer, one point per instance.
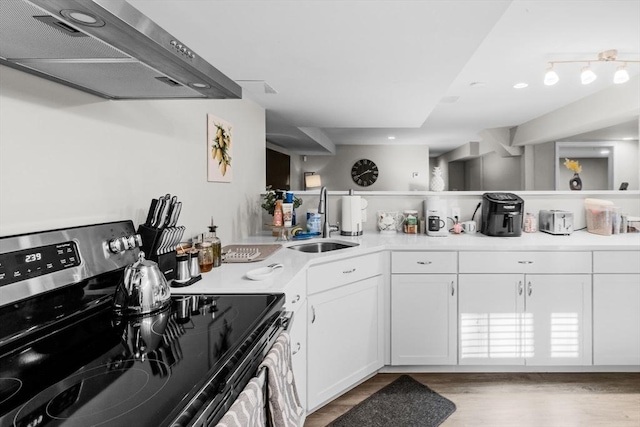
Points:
(502, 214)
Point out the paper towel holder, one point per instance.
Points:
(351, 215)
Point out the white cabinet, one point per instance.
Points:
(616, 308)
(490, 313)
(345, 331)
(298, 334)
(296, 302)
(508, 317)
(516, 319)
(424, 308)
(558, 310)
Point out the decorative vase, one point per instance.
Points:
(437, 183)
(575, 183)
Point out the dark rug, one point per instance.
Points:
(405, 402)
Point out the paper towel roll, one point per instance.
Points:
(351, 224)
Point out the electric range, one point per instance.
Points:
(67, 359)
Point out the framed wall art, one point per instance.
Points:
(219, 149)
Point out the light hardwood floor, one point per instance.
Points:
(517, 400)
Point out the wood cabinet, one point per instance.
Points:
(526, 317)
(424, 308)
(616, 308)
(345, 331)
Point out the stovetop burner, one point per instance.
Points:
(9, 387)
(73, 402)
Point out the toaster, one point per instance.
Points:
(555, 222)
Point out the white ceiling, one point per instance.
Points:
(357, 72)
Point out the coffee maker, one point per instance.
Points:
(435, 211)
(502, 214)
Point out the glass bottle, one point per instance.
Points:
(216, 244)
(205, 256)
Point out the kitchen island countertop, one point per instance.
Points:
(231, 278)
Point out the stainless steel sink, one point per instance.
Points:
(322, 246)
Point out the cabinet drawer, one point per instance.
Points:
(616, 262)
(331, 275)
(424, 262)
(525, 262)
(295, 294)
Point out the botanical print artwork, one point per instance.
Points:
(219, 149)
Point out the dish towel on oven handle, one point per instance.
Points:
(248, 410)
(282, 395)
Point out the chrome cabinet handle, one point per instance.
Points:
(424, 262)
(296, 299)
(525, 262)
(453, 288)
(313, 312)
(298, 347)
(530, 288)
(349, 271)
(520, 288)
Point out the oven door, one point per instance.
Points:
(218, 395)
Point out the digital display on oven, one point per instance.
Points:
(27, 263)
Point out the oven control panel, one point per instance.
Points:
(29, 263)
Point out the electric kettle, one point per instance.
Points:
(142, 290)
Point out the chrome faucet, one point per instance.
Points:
(323, 208)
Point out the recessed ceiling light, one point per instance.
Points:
(391, 137)
(628, 138)
(520, 85)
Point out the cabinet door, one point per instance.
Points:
(423, 319)
(298, 334)
(557, 319)
(490, 310)
(616, 319)
(345, 338)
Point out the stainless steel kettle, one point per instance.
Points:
(142, 290)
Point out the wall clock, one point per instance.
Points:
(364, 172)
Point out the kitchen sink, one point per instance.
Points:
(322, 246)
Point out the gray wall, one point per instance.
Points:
(501, 173)
(594, 175)
(544, 177)
(626, 158)
(396, 164)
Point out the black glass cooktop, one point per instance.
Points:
(90, 367)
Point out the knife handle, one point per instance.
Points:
(170, 210)
(176, 214)
(158, 211)
(152, 212)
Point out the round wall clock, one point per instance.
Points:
(364, 172)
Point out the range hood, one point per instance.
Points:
(107, 48)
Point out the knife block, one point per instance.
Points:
(150, 241)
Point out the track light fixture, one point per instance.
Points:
(587, 75)
(621, 75)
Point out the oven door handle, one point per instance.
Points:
(286, 320)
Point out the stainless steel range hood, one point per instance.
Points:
(107, 48)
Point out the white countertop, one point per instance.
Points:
(231, 278)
